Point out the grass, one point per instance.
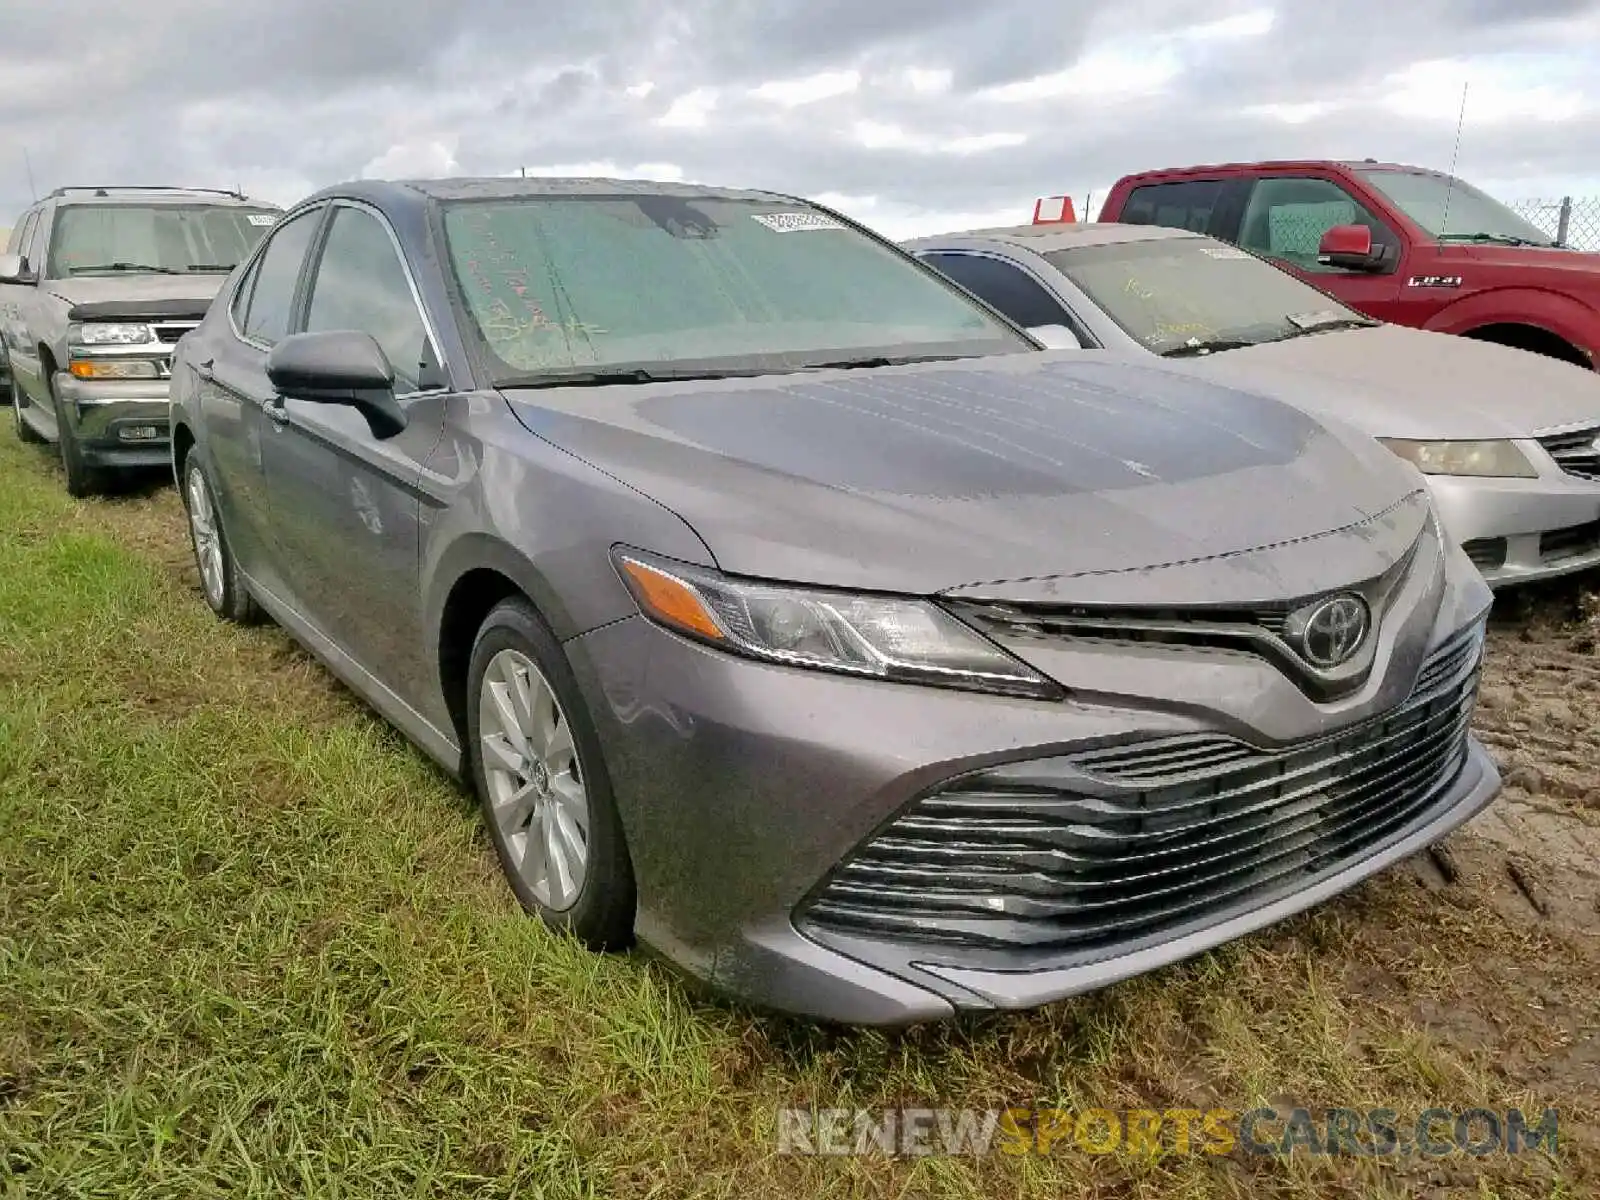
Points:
(251, 944)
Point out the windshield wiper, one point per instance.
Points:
(609, 378)
(1499, 239)
(142, 268)
(210, 267)
(880, 360)
(1195, 347)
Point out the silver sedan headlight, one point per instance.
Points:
(1487, 459)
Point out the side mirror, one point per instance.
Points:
(1055, 337)
(1350, 247)
(339, 367)
(13, 269)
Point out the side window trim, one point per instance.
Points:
(314, 263)
(319, 214)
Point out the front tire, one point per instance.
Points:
(82, 479)
(25, 433)
(221, 582)
(541, 781)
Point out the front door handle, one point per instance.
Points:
(276, 411)
(204, 370)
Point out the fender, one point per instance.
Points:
(1556, 313)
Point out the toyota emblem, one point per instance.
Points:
(1329, 632)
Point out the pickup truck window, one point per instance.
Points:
(1178, 295)
(1454, 211)
(1186, 205)
(1286, 217)
(167, 239)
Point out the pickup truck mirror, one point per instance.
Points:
(1055, 337)
(342, 366)
(1350, 247)
(14, 269)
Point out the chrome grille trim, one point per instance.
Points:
(1574, 451)
(1117, 842)
(168, 332)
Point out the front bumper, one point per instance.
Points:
(106, 415)
(746, 790)
(1522, 530)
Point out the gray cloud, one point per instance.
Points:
(283, 95)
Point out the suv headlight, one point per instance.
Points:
(879, 637)
(1496, 459)
(108, 334)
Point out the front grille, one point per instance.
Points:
(1575, 451)
(1575, 541)
(168, 332)
(1487, 554)
(1152, 834)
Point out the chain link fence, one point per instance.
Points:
(1574, 220)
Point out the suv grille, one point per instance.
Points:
(1153, 833)
(168, 332)
(1575, 451)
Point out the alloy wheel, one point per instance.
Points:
(207, 539)
(536, 788)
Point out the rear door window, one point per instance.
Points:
(1184, 205)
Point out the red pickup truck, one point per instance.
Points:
(1403, 244)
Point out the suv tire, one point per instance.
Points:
(82, 479)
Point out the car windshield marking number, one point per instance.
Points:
(795, 222)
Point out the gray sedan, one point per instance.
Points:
(1509, 440)
(789, 612)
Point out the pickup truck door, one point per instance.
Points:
(1283, 219)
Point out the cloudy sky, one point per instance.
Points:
(913, 115)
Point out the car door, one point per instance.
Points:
(21, 355)
(234, 391)
(346, 503)
(1284, 218)
(1008, 288)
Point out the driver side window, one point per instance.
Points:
(1286, 218)
(361, 284)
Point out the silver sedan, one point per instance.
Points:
(1509, 440)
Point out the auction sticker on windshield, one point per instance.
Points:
(793, 222)
(261, 219)
(1223, 252)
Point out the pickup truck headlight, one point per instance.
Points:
(1487, 459)
(109, 334)
(880, 637)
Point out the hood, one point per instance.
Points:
(1397, 382)
(130, 295)
(1524, 258)
(1035, 474)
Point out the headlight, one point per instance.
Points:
(121, 334)
(1499, 459)
(880, 637)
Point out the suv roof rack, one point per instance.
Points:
(109, 189)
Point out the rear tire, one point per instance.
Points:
(25, 433)
(221, 582)
(537, 768)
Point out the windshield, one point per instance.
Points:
(1454, 211)
(663, 284)
(1174, 293)
(91, 239)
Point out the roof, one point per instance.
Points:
(514, 187)
(1285, 164)
(1047, 237)
(137, 194)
